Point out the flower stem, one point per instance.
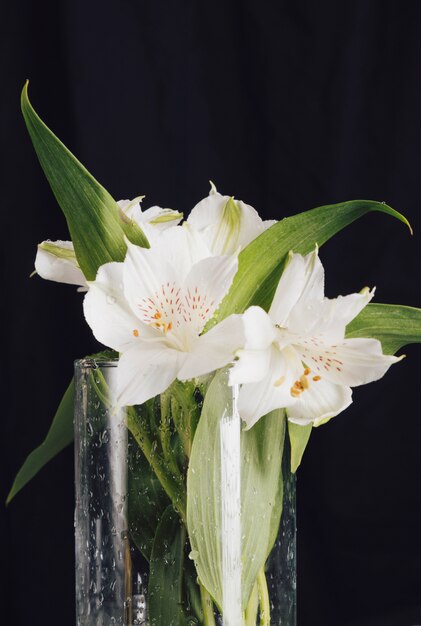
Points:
(173, 486)
(207, 606)
(264, 602)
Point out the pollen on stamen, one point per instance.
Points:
(135, 332)
(317, 378)
(307, 371)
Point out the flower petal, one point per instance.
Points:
(56, 260)
(258, 328)
(252, 366)
(321, 401)
(351, 362)
(107, 312)
(144, 371)
(214, 349)
(301, 283)
(273, 392)
(225, 224)
(327, 317)
(206, 285)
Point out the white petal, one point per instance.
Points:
(58, 268)
(289, 290)
(206, 285)
(145, 274)
(319, 403)
(161, 219)
(351, 362)
(327, 317)
(252, 366)
(224, 235)
(273, 392)
(301, 284)
(144, 371)
(258, 328)
(107, 312)
(214, 349)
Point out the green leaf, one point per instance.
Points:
(298, 437)
(165, 588)
(393, 325)
(93, 216)
(58, 437)
(261, 450)
(147, 500)
(261, 262)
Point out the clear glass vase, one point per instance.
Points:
(182, 518)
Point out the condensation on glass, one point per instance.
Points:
(112, 573)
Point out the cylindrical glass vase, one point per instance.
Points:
(182, 517)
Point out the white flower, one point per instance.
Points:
(226, 224)
(56, 260)
(297, 357)
(153, 307)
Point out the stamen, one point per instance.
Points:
(307, 371)
(317, 378)
(295, 393)
(279, 382)
(135, 332)
(304, 382)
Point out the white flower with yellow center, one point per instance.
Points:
(56, 260)
(296, 356)
(153, 307)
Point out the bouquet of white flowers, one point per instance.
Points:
(221, 307)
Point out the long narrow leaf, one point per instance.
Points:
(93, 217)
(393, 325)
(59, 436)
(261, 262)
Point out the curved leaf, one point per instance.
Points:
(93, 216)
(393, 325)
(58, 437)
(260, 264)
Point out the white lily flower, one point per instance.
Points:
(153, 307)
(56, 260)
(226, 224)
(296, 356)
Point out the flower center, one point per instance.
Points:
(303, 383)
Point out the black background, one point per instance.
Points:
(286, 105)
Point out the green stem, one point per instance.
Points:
(207, 606)
(252, 608)
(264, 601)
(172, 486)
(165, 434)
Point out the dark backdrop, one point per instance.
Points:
(286, 105)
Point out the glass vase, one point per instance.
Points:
(182, 517)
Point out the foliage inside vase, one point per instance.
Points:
(222, 310)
